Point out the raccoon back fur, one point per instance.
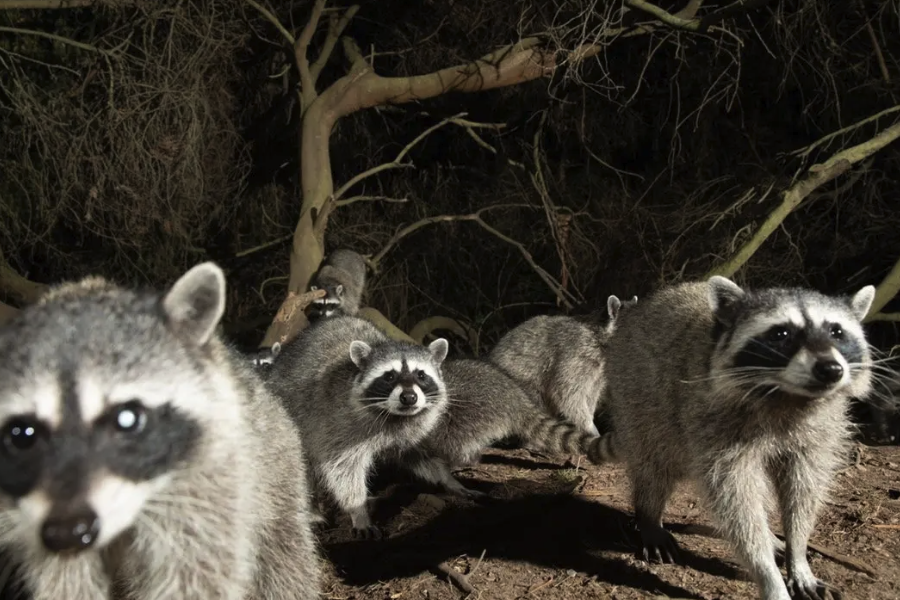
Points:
(343, 277)
(487, 405)
(356, 394)
(740, 391)
(138, 451)
(559, 361)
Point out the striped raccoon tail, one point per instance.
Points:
(558, 436)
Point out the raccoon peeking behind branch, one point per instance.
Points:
(355, 394)
(343, 277)
(138, 451)
(741, 391)
(487, 405)
(559, 360)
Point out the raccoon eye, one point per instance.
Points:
(837, 332)
(778, 334)
(131, 417)
(20, 435)
(421, 375)
(389, 377)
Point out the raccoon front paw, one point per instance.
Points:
(813, 589)
(659, 545)
(367, 533)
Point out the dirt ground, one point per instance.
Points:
(557, 532)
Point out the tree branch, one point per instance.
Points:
(335, 29)
(54, 4)
(397, 162)
(379, 320)
(16, 287)
(884, 293)
(55, 38)
(352, 199)
(430, 324)
(268, 16)
(292, 316)
(307, 83)
(819, 174)
(563, 295)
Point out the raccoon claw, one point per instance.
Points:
(659, 544)
(814, 590)
(367, 533)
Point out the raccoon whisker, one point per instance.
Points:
(171, 500)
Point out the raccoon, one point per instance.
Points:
(742, 392)
(142, 457)
(343, 277)
(487, 405)
(264, 357)
(356, 394)
(559, 360)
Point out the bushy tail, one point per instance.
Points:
(558, 436)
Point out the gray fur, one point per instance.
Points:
(560, 361)
(343, 276)
(487, 405)
(158, 435)
(325, 378)
(683, 408)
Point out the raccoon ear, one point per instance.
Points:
(339, 290)
(359, 352)
(613, 304)
(276, 349)
(439, 349)
(723, 295)
(195, 303)
(862, 302)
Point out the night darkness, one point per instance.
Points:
(141, 140)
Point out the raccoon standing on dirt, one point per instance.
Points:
(141, 455)
(356, 394)
(740, 391)
(487, 405)
(343, 277)
(559, 360)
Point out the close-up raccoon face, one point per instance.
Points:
(100, 402)
(795, 341)
(402, 379)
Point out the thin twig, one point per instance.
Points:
(307, 83)
(875, 45)
(274, 242)
(806, 150)
(397, 162)
(565, 296)
(455, 576)
(335, 29)
(55, 38)
(353, 199)
(273, 20)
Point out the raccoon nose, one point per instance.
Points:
(828, 371)
(408, 398)
(70, 532)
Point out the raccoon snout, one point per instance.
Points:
(828, 371)
(71, 532)
(408, 398)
